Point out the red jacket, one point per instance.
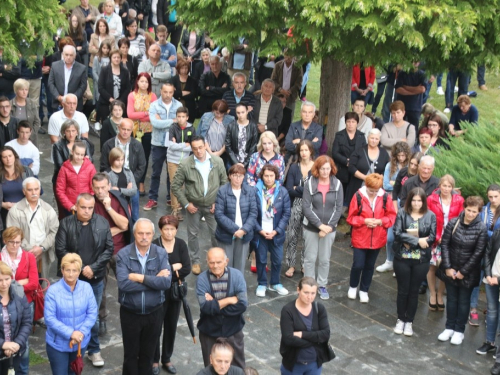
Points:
(433, 204)
(69, 184)
(369, 77)
(27, 270)
(363, 237)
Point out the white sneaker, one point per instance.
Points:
(447, 110)
(400, 326)
(261, 291)
(446, 335)
(351, 294)
(394, 274)
(440, 91)
(456, 88)
(363, 297)
(387, 266)
(457, 338)
(408, 331)
(96, 359)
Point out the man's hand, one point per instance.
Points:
(224, 85)
(261, 128)
(315, 139)
(212, 209)
(163, 273)
(296, 141)
(87, 272)
(184, 93)
(136, 277)
(250, 108)
(191, 208)
(459, 276)
(209, 297)
(239, 233)
(36, 251)
(106, 202)
(140, 16)
(157, 116)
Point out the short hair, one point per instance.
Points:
(78, 144)
(114, 51)
(375, 131)
(319, 162)
(148, 77)
(206, 50)
(447, 178)
(427, 159)
(195, 138)
(12, 232)
(493, 187)
(425, 130)
(474, 201)
(123, 41)
(168, 220)
(168, 83)
(304, 142)
(114, 154)
(351, 116)
(5, 270)
(220, 106)
(68, 47)
(23, 124)
(423, 196)
(307, 280)
(182, 63)
(427, 109)
(85, 196)
(67, 96)
(182, 110)
(21, 83)
(397, 105)
(463, 99)
(308, 104)
(101, 176)
(161, 29)
(71, 258)
(68, 123)
(109, 2)
(271, 136)
(117, 103)
(31, 180)
(360, 99)
(268, 80)
(4, 99)
(212, 58)
(140, 220)
(239, 74)
(237, 168)
(221, 344)
(272, 168)
(65, 41)
(374, 181)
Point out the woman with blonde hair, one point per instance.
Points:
(267, 153)
(24, 108)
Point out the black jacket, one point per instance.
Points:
(106, 85)
(426, 228)
(252, 136)
(107, 131)
(12, 130)
(491, 252)
(60, 153)
(67, 241)
(136, 161)
(317, 337)
(341, 152)
(189, 101)
(132, 66)
(141, 6)
(129, 235)
(414, 182)
(200, 42)
(20, 316)
(215, 91)
(462, 249)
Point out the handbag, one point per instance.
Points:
(330, 353)
(39, 299)
(178, 290)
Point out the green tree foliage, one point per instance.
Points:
(27, 27)
(472, 158)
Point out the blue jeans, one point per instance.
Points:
(93, 346)
(388, 98)
(492, 316)
(428, 86)
(24, 364)
(264, 247)
(481, 70)
(59, 361)
(300, 369)
(134, 204)
(159, 155)
(457, 307)
(368, 98)
(475, 292)
(363, 265)
(389, 253)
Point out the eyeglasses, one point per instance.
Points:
(17, 243)
(237, 176)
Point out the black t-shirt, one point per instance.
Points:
(86, 250)
(306, 355)
(414, 79)
(122, 180)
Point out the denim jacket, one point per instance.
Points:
(161, 127)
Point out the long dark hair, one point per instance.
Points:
(18, 167)
(413, 192)
(76, 33)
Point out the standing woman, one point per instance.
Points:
(96, 39)
(415, 232)
(24, 108)
(128, 61)
(371, 214)
(122, 8)
(297, 176)
(273, 213)
(364, 161)
(235, 214)
(110, 125)
(213, 127)
(242, 137)
(114, 84)
(70, 312)
(137, 41)
(305, 332)
(101, 59)
(267, 153)
(121, 178)
(462, 248)
(77, 32)
(447, 204)
(178, 257)
(113, 20)
(322, 203)
(139, 102)
(186, 89)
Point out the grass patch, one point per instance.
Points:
(36, 359)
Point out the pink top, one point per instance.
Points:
(323, 189)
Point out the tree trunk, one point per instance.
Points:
(335, 95)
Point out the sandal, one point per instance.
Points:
(289, 273)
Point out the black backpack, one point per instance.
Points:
(360, 205)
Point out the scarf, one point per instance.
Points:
(13, 264)
(269, 198)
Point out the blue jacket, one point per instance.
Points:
(206, 121)
(484, 219)
(67, 311)
(20, 319)
(225, 212)
(142, 298)
(213, 321)
(315, 130)
(161, 127)
(281, 217)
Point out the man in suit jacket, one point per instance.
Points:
(268, 110)
(67, 77)
(288, 79)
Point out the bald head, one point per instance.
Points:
(217, 261)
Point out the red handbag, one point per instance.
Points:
(39, 298)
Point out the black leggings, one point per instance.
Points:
(409, 274)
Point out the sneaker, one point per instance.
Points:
(495, 370)
(363, 297)
(278, 288)
(483, 87)
(495, 356)
(323, 293)
(151, 204)
(487, 347)
(351, 294)
(457, 338)
(408, 330)
(440, 91)
(474, 319)
(447, 110)
(261, 291)
(169, 202)
(387, 266)
(394, 274)
(446, 335)
(96, 359)
(456, 89)
(400, 326)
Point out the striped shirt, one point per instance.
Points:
(219, 285)
(264, 110)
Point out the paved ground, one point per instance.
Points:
(361, 334)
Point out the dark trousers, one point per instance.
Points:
(175, 32)
(146, 145)
(481, 70)
(171, 311)
(103, 313)
(159, 155)
(236, 341)
(457, 307)
(59, 361)
(413, 117)
(363, 265)
(451, 80)
(409, 274)
(378, 95)
(268, 246)
(140, 334)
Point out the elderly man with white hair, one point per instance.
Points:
(67, 77)
(68, 112)
(423, 179)
(39, 223)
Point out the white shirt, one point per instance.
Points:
(267, 222)
(57, 119)
(67, 75)
(27, 151)
(237, 217)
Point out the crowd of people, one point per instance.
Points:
(263, 184)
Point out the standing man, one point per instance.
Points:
(88, 235)
(39, 223)
(410, 87)
(423, 179)
(68, 112)
(88, 14)
(158, 69)
(213, 85)
(288, 79)
(162, 114)
(135, 160)
(169, 19)
(222, 294)
(240, 60)
(268, 111)
(28, 153)
(239, 95)
(201, 174)
(168, 50)
(143, 276)
(8, 124)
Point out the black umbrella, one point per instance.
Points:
(185, 305)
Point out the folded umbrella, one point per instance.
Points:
(77, 364)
